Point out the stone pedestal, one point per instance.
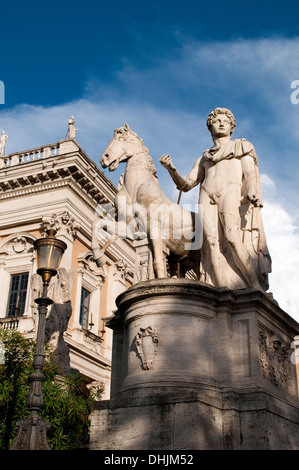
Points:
(195, 367)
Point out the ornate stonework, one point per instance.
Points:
(64, 224)
(122, 271)
(19, 244)
(147, 352)
(275, 359)
(88, 266)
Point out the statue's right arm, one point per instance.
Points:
(184, 184)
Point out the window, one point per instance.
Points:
(84, 308)
(17, 295)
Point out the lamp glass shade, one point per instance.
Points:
(48, 257)
(49, 252)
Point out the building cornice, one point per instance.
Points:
(68, 166)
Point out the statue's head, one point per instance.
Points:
(217, 111)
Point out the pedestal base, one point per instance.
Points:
(32, 434)
(196, 367)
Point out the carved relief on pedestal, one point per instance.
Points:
(275, 359)
(146, 342)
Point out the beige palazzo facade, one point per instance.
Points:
(59, 186)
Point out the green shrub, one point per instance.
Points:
(68, 401)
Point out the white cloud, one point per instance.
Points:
(161, 130)
(283, 243)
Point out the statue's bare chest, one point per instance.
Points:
(221, 174)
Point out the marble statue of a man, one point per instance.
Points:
(71, 128)
(3, 140)
(234, 253)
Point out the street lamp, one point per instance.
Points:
(32, 429)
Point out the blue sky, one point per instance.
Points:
(162, 66)
(51, 49)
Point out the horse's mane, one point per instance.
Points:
(126, 129)
(152, 166)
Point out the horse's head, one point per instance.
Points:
(125, 144)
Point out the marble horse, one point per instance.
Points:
(143, 210)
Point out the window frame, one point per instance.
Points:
(84, 315)
(18, 292)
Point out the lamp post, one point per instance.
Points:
(33, 428)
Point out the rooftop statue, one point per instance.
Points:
(234, 252)
(3, 140)
(71, 128)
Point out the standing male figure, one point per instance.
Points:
(234, 251)
(71, 128)
(3, 140)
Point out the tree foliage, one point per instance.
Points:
(68, 401)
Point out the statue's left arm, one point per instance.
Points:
(249, 167)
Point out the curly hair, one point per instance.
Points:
(216, 111)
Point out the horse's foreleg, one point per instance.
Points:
(158, 259)
(99, 253)
(95, 247)
(101, 261)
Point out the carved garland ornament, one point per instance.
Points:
(19, 244)
(147, 350)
